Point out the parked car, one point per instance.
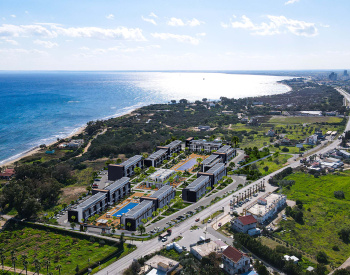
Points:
(209, 221)
(198, 219)
(164, 239)
(219, 224)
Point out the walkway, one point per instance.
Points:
(19, 271)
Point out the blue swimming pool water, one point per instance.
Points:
(187, 165)
(125, 209)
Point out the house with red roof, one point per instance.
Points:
(7, 174)
(235, 261)
(244, 223)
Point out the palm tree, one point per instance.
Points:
(128, 224)
(13, 259)
(149, 218)
(122, 225)
(144, 221)
(59, 269)
(2, 257)
(47, 264)
(37, 265)
(25, 264)
(141, 229)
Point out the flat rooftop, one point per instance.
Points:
(91, 201)
(206, 248)
(117, 184)
(161, 174)
(225, 149)
(216, 168)
(271, 201)
(153, 262)
(139, 209)
(162, 192)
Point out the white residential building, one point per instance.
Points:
(235, 262)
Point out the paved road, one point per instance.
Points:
(154, 245)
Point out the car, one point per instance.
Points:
(184, 248)
(164, 239)
(209, 221)
(255, 195)
(198, 219)
(219, 224)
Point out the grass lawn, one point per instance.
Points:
(303, 119)
(50, 244)
(324, 215)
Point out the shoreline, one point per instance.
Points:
(9, 162)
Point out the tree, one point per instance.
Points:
(77, 269)
(137, 170)
(37, 265)
(235, 141)
(128, 224)
(144, 221)
(59, 267)
(322, 257)
(154, 213)
(13, 260)
(47, 264)
(121, 239)
(2, 258)
(141, 229)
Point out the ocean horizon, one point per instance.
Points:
(40, 106)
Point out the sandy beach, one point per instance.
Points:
(34, 150)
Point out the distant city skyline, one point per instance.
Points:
(174, 35)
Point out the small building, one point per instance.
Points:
(204, 249)
(203, 128)
(226, 153)
(157, 158)
(125, 169)
(291, 258)
(75, 143)
(244, 223)
(271, 133)
(235, 261)
(159, 178)
(196, 189)
(160, 265)
(311, 140)
(215, 173)
(7, 174)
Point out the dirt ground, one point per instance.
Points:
(72, 193)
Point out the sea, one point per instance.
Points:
(39, 107)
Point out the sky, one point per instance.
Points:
(174, 35)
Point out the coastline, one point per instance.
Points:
(32, 151)
(9, 162)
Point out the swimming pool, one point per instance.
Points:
(187, 165)
(125, 209)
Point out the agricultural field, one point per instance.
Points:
(324, 215)
(52, 248)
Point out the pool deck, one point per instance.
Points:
(190, 157)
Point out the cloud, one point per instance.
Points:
(324, 25)
(13, 15)
(46, 44)
(110, 16)
(275, 25)
(177, 37)
(149, 20)
(152, 15)
(22, 51)
(291, 2)
(50, 30)
(117, 49)
(10, 41)
(177, 22)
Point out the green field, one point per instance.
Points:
(303, 119)
(68, 250)
(274, 164)
(324, 215)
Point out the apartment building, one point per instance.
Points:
(226, 153)
(125, 169)
(156, 158)
(215, 173)
(198, 145)
(196, 189)
(134, 217)
(161, 197)
(210, 161)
